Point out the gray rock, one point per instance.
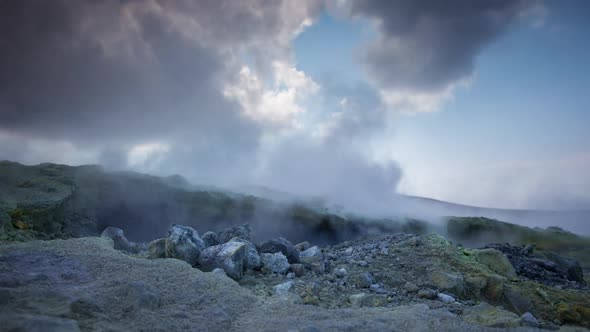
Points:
(219, 272)
(446, 281)
(303, 246)
(274, 263)
(290, 275)
(410, 287)
(157, 248)
(357, 299)
(253, 261)
(362, 263)
(528, 319)
(184, 243)
(243, 232)
(284, 288)
(340, 272)
(119, 240)
(229, 256)
(313, 259)
(210, 239)
(282, 245)
(362, 279)
(297, 269)
(446, 298)
(375, 287)
(427, 294)
(311, 254)
(372, 300)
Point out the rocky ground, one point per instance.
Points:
(222, 281)
(74, 271)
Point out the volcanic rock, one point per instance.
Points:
(184, 243)
(282, 245)
(274, 263)
(210, 239)
(243, 232)
(229, 256)
(253, 261)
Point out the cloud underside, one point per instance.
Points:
(425, 49)
(210, 89)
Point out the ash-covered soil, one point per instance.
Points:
(396, 282)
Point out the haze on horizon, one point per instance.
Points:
(475, 102)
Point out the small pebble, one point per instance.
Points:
(341, 272)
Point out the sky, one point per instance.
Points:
(482, 103)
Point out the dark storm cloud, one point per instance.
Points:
(425, 45)
(79, 70)
(108, 75)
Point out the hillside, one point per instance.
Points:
(348, 272)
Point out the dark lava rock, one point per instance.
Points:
(427, 294)
(282, 245)
(210, 239)
(571, 267)
(547, 268)
(243, 232)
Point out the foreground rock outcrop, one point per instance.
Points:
(389, 282)
(84, 284)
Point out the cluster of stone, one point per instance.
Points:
(230, 250)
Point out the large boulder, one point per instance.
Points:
(119, 240)
(569, 267)
(243, 232)
(252, 260)
(274, 263)
(229, 256)
(496, 261)
(210, 239)
(282, 245)
(184, 243)
(313, 259)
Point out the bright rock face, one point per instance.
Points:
(275, 263)
(252, 260)
(229, 256)
(184, 243)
